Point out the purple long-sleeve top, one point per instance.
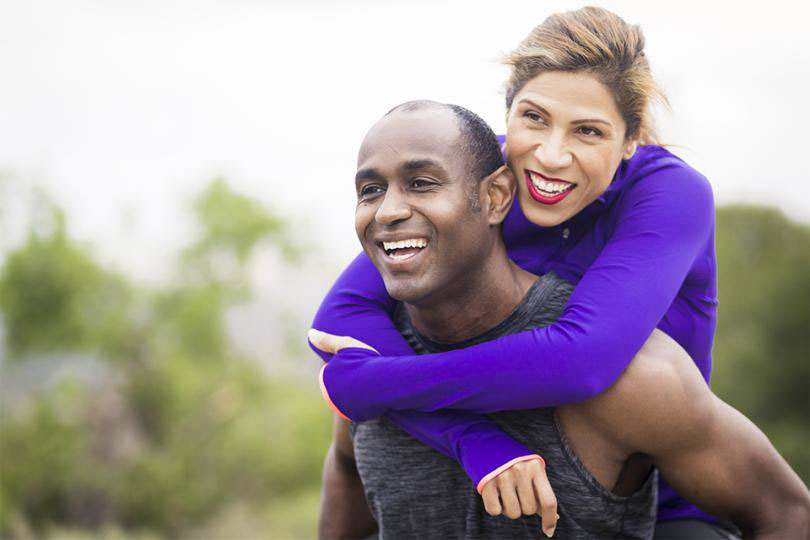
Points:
(641, 256)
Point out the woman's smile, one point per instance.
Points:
(546, 190)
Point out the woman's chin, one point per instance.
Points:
(544, 215)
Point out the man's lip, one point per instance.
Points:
(379, 239)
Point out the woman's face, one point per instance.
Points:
(564, 142)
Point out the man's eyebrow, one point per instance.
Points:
(367, 174)
(418, 164)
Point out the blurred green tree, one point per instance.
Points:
(762, 350)
(54, 297)
(183, 427)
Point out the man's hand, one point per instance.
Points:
(332, 344)
(522, 489)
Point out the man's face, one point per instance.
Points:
(414, 217)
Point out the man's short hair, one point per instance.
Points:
(482, 147)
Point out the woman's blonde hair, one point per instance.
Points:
(595, 41)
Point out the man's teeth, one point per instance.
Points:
(402, 244)
(550, 187)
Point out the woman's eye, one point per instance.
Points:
(533, 116)
(589, 131)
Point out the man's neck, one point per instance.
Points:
(484, 297)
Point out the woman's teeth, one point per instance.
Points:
(550, 188)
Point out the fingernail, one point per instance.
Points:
(550, 531)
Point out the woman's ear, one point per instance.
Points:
(500, 189)
(630, 148)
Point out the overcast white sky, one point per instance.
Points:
(123, 110)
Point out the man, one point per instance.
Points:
(415, 189)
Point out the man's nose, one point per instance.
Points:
(553, 152)
(394, 207)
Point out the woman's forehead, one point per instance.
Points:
(578, 95)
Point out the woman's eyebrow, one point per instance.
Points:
(536, 106)
(593, 121)
(576, 122)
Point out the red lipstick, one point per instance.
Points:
(543, 198)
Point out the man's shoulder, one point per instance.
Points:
(546, 300)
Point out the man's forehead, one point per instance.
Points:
(430, 132)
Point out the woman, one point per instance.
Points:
(629, 223)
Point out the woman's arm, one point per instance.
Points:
(358, 305)
(665, 224)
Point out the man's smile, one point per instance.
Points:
(401, 250)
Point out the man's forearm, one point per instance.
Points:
(780, 505)
(344, 511)
(738, 474)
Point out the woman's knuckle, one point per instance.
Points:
(549, 505)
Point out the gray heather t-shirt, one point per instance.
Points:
(416, 492)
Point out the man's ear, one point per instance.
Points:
(499, 192)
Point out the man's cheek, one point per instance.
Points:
(361, 224)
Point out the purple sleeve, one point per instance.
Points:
(665, 222)
(357, 305)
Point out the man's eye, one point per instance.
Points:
(369, 191)
(589, 131)
(422, 183)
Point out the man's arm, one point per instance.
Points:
(709, 452)
(344, 511)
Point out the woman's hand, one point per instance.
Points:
(522, 490)
(331, 344)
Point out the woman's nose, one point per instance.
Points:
(553, 153)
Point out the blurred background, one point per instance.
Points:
(176, 195)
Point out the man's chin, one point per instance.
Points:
(404, 290)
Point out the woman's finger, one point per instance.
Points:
(330, 343)
(508, 494)
(548, 503)
(492, 503)
(524, 486)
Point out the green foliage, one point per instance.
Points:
(47, 446)
(217, 440)
(763, 335)
(189, 319)
(53, 297)
(183, 429)
(232, 225)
